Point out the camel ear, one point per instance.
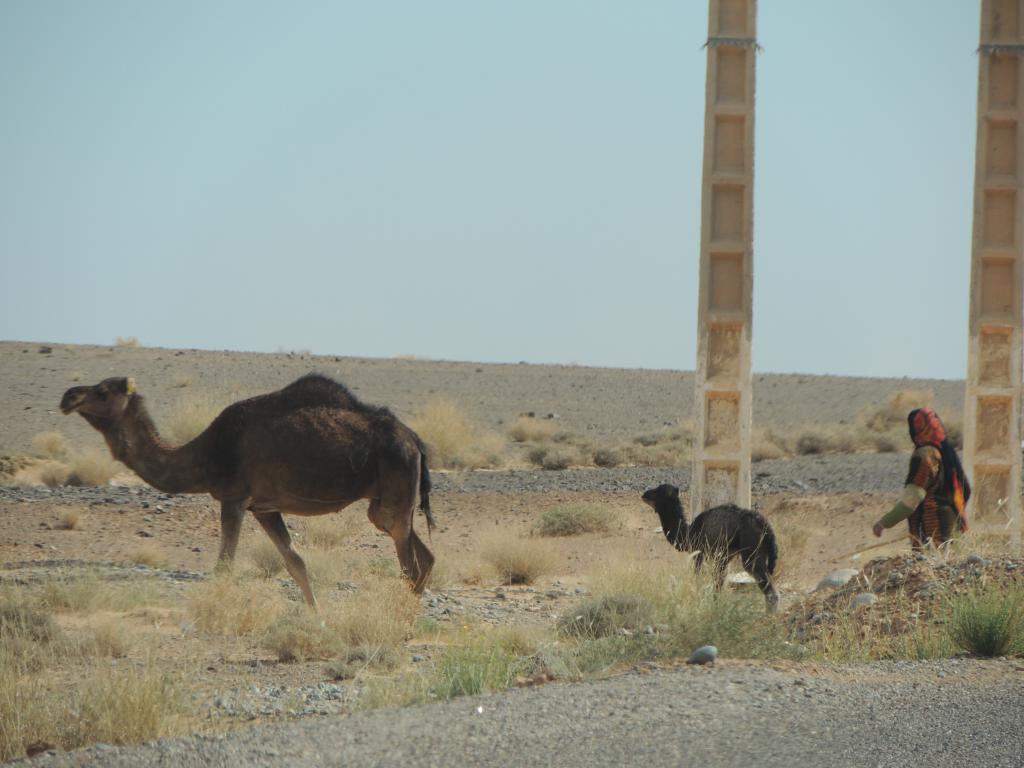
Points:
(129, 386)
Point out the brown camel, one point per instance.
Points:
(309, 449)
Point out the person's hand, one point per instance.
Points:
(877, 529)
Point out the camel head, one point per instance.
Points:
(104, 401)
(666, 502)
(664, 497)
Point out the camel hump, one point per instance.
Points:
(318, 389)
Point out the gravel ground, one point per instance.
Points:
(950, 713)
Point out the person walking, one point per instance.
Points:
(936, 493)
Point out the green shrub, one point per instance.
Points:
(481, 665)
(989, 622)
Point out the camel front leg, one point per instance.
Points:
(274, 525)
(231, 514)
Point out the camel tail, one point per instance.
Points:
(425, 487)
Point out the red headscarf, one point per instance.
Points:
(926, 428)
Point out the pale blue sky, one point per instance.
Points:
(480, 180)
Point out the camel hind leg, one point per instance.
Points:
(273, 524)
(756, 564)
(393, 513)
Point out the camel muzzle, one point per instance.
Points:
(72, 399)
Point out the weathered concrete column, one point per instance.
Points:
(992, 448)
(721, 468)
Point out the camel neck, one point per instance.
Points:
(135, 441)
(673, 524)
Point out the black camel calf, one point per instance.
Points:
(717, 535)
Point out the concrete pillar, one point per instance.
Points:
(721, 467)
(992, 447)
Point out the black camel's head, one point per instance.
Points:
(665, 496)
(665, 500)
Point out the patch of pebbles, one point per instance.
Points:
(117, 495)
(256, 701)
(34, 571)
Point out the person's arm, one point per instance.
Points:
(912, 496)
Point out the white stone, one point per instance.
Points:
(703, 655)
(837, 578)
(864, 598)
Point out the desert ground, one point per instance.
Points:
(126, 572)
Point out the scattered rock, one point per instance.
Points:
(863, 599)
(706, 654)
(741, 578)
(837, 578)
(38, 747)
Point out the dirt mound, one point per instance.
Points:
(892, 595)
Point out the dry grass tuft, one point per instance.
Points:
(452, 441)
(116, 707)
(109, 706)
(768, 444)
(230, 605)
(49, 473)
(126, 341)
(665, 448)
(89, 592)
(69, 519)
(517, 561)
(528, 429)
(893, 413)
(92, 467)
(368, 625)
(326, 532)
(27, 635)
(266, 560)
(111, 639)
(62, 464)
(51, 445)
(606, 457)
(607, 616)
(149, 555)
(573, 519)
(300, 634)
(556, 457)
